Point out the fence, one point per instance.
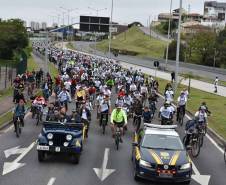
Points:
(7, 75)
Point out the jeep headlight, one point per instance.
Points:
(50, 136)
(185, 166)
(68, 137)
(145, 163)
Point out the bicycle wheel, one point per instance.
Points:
(225, 155)
(104, 125)
(38, 118)
(117, 141)
(201, 138)
(17, 130)
(195, 149)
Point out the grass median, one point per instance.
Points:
(31, 64)
(215, 103)
(134, 40)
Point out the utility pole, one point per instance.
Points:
(110, 34)
(178, 47)
(169, 29)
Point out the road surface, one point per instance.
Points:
(58, 170)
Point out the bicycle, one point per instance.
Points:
(137, 122)
(39, 114)
(117, 136)
(181, 116)
(18, 126)
(104, 121)
(194, 142)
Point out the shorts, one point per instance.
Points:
(118, 124)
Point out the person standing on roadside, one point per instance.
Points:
(216, 84)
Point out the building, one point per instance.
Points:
(32, 25)
(193, 27)
(43, 25)
(214, 11)
(55, 25)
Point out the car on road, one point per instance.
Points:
(158, 154)
(57, 137)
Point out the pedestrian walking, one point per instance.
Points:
(173, 77)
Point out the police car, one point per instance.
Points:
(159, 155)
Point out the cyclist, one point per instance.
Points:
(165, 113)
(105, 109)
(169, 94)
(182, 100)
(137, 109)
(147, 115)
(74, 117)
(19, 112)
(203, 106)
(201, 117)
(64, 98)
(118, 119)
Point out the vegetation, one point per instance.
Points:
(13, 38)
(217, 121)
(135, 42)
(6, 117)
(53, 70)
(70, 45)
(205, 48)
(31, 64)
(164, 26)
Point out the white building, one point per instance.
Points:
(32, 25)
(214, 11)
(43, 25)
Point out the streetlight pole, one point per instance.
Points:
(178, 47)
(68, 18)
(110, 34)
(97, 12)
(169, 28)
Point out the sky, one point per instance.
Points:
(124, 11)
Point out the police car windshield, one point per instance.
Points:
(165, 142)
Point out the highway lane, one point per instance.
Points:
(84, 46)
(210, 161)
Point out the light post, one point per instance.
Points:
(178, 47)
(169, 28)
(110, 30)
(68, 11)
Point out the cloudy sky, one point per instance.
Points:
(125, 11)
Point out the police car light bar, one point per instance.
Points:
(160, 126)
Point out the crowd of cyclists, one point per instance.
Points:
(100, 84)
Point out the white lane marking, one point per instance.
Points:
(102, 173)
(11, 166)
(51, 181)
(13, 151)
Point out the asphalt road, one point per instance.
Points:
(195, 70)
(58, 170)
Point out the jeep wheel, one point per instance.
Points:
(75, 158)
(41, 156)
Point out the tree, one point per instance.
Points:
(173, 49)
(202, 48)
(13, 38)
